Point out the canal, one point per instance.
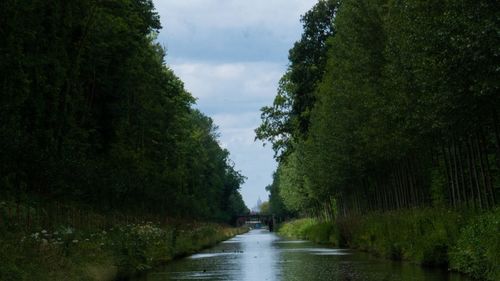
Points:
(261, 255)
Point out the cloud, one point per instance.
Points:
(231, 30)
(232, 94)
(254, 160)
(187, 14)
(222, 87)
(237, 120)
(230, 55)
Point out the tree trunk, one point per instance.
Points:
(462, 174)
(496, 129)
(404, 184)
(488, 169)
(482, 171)
(449, 175)
(453, 151)
(475, 173)
(412, 164)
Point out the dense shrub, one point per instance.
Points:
(423, 236)
(311, 229)
(139, 247)
(297, 228)
(69, 253)
(477, 251)
(467, 241)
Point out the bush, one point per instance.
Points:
(477, 251)
(69, 253)
(467, 241)
(297, 228)
(140, 246)
(311, 229)
(419, 235)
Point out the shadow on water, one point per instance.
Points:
(261, 255)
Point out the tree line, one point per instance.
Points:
(388, 105)
(90, 113)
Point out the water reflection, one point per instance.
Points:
(260, 259)
(260, 255)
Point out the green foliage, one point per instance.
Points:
(68, 253)
(264, 208)
(276, 204)
(92, 118)
(139, 247)
(297, 228)
(423, 236)
(394, 107)
(288, 119)
(293, 187)
(468, 242)
(477, 251)
(313, 230)
(90, 113)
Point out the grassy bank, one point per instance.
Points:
(465, 242)
(89, 253)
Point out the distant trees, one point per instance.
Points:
(89, 112)
(404, 114)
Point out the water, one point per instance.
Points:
(261, 255)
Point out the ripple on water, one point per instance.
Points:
(197, 275)
(320, 251)
(231, 241)
(209, 255)
(291, 242)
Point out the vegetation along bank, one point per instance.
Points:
(100, 144)
(464, 242)
(386, 131)
(89, 246)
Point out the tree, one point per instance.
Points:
(287, 121)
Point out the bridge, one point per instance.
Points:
(256, 220)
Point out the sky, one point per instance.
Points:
(230, 54)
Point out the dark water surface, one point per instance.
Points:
(261, 255)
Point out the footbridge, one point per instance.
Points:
(256, 220)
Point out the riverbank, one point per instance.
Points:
(90, 253)
(467, 242)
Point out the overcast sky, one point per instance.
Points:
(230, 55)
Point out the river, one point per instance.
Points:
(261, 255)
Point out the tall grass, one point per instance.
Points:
(466, 241)
(422, 236)
(477, 251)
(66, 252)
(311, 229)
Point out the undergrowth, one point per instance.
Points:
(465, 241)
(477, 251)
(69, 253)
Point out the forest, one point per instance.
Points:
(391, 107)
(91, 115)
(107, 168)
(388, 105)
